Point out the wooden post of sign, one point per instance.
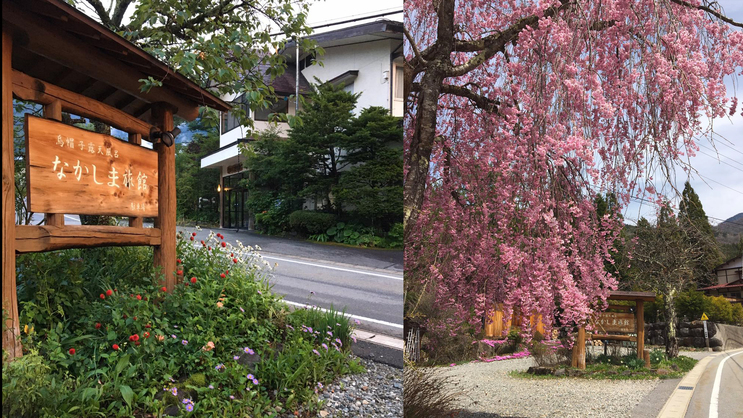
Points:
(11, 336)
(165, 253)
(54, 111)
(136, 222)
(640, 328)
(579, 349)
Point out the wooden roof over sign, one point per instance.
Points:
(56, 43)
(622, 295)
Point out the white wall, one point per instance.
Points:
(242, 132)
(371, 59)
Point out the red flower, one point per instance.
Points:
(116, 290)
(148, 326)
(135, 318)
(224, 244)
(193, 233)
(146, 334)
(180, 272)
(103, 296)
(139, 297)
(97, 325)
(202, 242)
(232, 255)
(125, 316)
(226, 272)
(191, 238)
(115, 346)
(178, 261)
(186, 283)
(209, 248)
(134, 337)
(72, 351)
(136, 342)
(164, 289)
(234, 260)
(193, 279)
(222, 275)
(109, 292)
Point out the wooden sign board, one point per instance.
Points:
(71, 170)
(615, 322)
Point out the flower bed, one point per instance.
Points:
(112, 342)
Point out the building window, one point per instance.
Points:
(229, 121)
(399, 83)
(398, 92)
(234, 202)
(306, 61)
(280, 106)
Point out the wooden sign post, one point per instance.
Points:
(67, 62)
(623, 322)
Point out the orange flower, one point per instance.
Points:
(219, 304)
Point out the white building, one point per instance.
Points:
(365, 58)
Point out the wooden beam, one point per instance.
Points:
(620, 308)
(106, 94)
(66, 50)
(640, 324)
(60, 76)
(38, 238)
(622, 295)
(579, 350)
(165, 254)
(51, 111)
(136, 222)
(32, 89)
(11, 336)
(124, 102)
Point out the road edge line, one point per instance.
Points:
(678, 402)
(714, 400)
(332, 263)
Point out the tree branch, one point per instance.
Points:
(102, 14)
(710, 11)
(480, 101)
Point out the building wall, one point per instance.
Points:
(371, 59)
(242, 132)
(730, 271)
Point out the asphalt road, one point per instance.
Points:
(367, 283)
(719, 393)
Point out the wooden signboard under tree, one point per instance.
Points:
(623, 321)
(58, 57)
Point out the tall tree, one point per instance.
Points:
(692, 215)
(664, 259)
(520, 111)
(226, 45)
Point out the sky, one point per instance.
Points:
(719, 182)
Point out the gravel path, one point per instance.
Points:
(486, 390)
(374, 394)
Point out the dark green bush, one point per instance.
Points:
(311, 222)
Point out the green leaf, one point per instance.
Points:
(123, 362)
(127, 393)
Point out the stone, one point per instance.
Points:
(684, 332)
(699, 342)
(663, 372)
(560, 372)
(249, 360)
(323, 413)
(675, 367)
(715, 342)
(540, 371)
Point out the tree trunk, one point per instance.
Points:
(672, 345)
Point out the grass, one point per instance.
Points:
(608, 369)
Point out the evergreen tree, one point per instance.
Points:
(692, 215)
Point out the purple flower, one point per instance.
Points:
(173, 336)
(189, 407)
(247, 350)
(186, 401)
(316, 352)
(325, 346)
(312, 293)
(174, 391)
(357, 321)
(232, 397)
(175, 326)
(236, 357)
(353, 337)
(219, 367)
(290, 327)
(211, 386)
(259, 292)
(330, 333)
(338, 340)
(319, 385)
(255, 381)
(184, 342)
(242, 310)
(250, 376)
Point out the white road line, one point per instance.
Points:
(713, 402)
(360, 318)
(333, 268)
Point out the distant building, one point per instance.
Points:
(365, 58)
(729, 281)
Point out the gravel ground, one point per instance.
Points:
(374, 394)
(486, 390)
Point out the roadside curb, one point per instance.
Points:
(379, 339)
(379, 348)
(678, 402)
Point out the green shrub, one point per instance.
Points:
(721, 310)
(656, 356)
(27, 386)
(692, 304)
(311, 222)
(737, 313)
(395, 236)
